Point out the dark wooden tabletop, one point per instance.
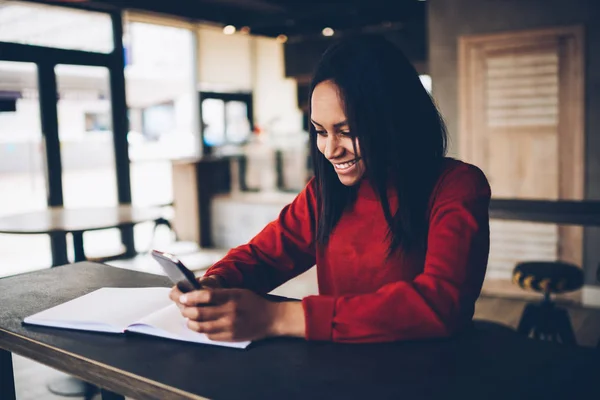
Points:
(59, 219)
(562, 212)
(481, 364)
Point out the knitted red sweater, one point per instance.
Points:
(365, 297)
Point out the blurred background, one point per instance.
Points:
(217, 85)
(194, 114)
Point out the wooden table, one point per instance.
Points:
(76, 221)
(562, 212)
(480, 364)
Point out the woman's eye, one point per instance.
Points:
(347, 133)
(322, 133)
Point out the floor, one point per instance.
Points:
(31, 378)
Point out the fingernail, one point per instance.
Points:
(183, 299)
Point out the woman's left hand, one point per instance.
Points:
(240, 314)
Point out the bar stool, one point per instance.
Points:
(545, 320)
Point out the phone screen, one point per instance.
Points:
(177, 272)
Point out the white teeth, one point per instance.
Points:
(345, 165)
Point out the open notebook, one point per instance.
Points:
(118, 310)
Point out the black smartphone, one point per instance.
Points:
(177, 272)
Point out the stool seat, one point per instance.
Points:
(548, 276)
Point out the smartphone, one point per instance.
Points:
(177, 272)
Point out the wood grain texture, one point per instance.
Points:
(89, 370)
(521, 121)
(562, 212)
(59, 219)
(31, 377)
(64, 354)
(186, 221)
(145, 367)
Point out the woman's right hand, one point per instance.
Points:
(209, 282)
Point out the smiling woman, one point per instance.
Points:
(399, 232)
(334, 139)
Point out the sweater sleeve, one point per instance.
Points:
(437, 302)
(284, 249)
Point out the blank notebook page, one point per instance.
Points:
(169, 323)
(113, 308)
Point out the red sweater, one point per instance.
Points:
(364, 297)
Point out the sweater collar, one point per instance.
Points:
(367, 191)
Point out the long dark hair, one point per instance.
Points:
(401, 135)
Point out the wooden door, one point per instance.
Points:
(521, 121)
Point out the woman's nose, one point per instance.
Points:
(332, 147)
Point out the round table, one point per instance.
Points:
(76, 221)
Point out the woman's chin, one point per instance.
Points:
(349, 180)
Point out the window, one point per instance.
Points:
(158, 120)
(59, 27)
(226, 119)
(97, 122)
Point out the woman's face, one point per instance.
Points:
(333, 135)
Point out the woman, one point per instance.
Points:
(399, 233)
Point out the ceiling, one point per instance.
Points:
(295, 18)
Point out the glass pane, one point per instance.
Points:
(213, 120)
(52, 26)
(237, 123)
(22, 168)
(160, 92)
(87, 149)
(163, 113)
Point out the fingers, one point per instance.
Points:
(211, 281)
(203, 314)
(222, 325)
(205, 297)
(174, 295)
(222, 336)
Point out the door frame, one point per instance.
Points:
(46, 59)
(571, 124)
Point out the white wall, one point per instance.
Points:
(224, 61)
(240, 62)
(275, 96)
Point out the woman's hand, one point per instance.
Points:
(210, 282)
(240, 314)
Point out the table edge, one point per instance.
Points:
(51, 231)
(84, 369)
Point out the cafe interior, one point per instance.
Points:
(133, 125)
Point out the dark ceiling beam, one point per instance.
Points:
(191, 10)
(274, 17)
(356, 14)
(255, 5)
(196, 10)
(349, 20)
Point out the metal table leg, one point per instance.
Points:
(108, 395)
(7, 377)
(78, 246)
